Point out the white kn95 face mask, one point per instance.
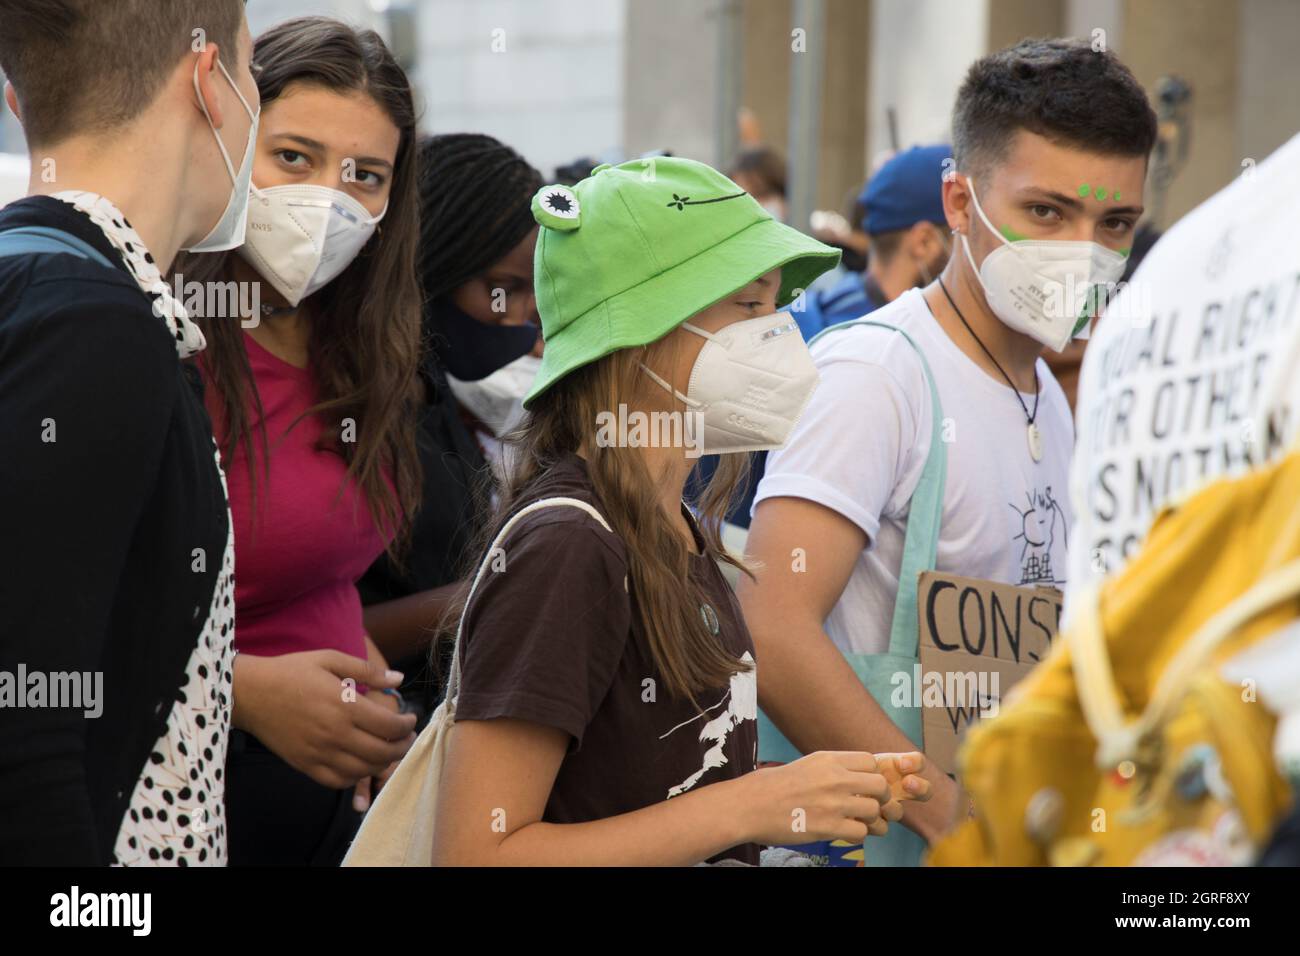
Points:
(300, 238)
(749, 385)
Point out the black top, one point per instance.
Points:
(456, 492)
(108, 484)
(457, 485)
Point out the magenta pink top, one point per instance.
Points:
(298, 559)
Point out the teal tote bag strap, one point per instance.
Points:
(921, 543)
(900, 846)
(920, 546)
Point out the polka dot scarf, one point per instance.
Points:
(111, 221)
(176, 812)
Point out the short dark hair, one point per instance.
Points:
(1060, 89)
(47, 50)
(883, 246)
(764, 164)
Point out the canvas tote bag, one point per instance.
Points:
(398, 829)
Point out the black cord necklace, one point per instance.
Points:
(271, 311)
(1035, 434)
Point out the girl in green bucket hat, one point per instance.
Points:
(603, 686)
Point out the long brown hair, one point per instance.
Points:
(365, 337)
(563, 421)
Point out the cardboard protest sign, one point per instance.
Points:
(978, 638)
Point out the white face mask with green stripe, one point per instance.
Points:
(1048, 289)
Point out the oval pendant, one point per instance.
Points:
(1035, 442)
(710, 618)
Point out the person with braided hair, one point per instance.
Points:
(475, 260)
(499, 297)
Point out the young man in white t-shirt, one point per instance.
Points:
(1050, 144)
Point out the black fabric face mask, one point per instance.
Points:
(471, 350)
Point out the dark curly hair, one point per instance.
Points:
(1060, 89)
(474, 193)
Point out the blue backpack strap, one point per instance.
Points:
(921, 544)
(29, 240)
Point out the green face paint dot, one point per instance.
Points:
(1084, 190)
(1115, 195)
(1100, 193)
(1011, 235)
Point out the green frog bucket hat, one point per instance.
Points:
(634, 250)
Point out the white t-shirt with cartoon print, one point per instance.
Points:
(861, 445)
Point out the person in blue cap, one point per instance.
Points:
(907, 240)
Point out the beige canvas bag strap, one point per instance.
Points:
(453, 681)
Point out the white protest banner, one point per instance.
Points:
(1192, 372)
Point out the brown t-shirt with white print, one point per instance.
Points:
(552, 637)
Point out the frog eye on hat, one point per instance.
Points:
(556, 207)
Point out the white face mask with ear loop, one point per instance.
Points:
(749, 385)
(1043, 288)
(229, 230)
(497, 401)
(301, 237)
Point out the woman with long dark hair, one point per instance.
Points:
(475, 262)
(312, 402)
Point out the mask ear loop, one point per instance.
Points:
(659, 380)
(376, 237)
(965, 241)
(230, 167)
(975, 200)
(379, 225)
(698, 331)
(248, 109)
(965, 246)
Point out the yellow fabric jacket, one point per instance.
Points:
(1127, 745)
